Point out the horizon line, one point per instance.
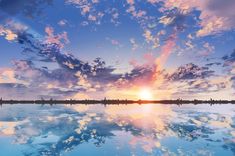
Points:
(117, 101)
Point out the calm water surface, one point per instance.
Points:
(31, 130)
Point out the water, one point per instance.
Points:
(117, 130)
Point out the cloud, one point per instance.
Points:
(7, 75)
(133, 44)
(65, 79)
(175, 18)
(75, 76)
(71, 76)
(62, 22)
(88, 10)
(229, 59)
(17, 91)
(40, 82)
(213, 63)
(131, 2)
(10, 29)
(139, 75)
(215, 16)
(146, 127)
(58, 39)
(166, 50)
(51, 50)
(229, 64)
(207, 49)
(9, 35)
(116, 43)
(154, 40)
(207, 86)
(190, 72)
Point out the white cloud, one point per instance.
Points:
(216, 16)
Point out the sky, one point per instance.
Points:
(126, 49)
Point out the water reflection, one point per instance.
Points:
(117, 130)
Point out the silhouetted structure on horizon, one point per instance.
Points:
(117, 101)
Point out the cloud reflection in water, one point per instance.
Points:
(117, 129)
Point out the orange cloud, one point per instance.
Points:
(9, 35)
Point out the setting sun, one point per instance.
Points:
(145, 94)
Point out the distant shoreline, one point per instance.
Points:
(116, 101)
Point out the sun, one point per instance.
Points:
(145, 94)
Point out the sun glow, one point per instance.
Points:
(145, 94)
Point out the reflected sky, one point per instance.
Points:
(69, 130)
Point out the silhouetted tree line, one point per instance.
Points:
(117, 101)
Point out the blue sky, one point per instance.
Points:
(173, 49)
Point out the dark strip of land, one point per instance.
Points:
(115, 102)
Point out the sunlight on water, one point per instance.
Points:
(117, 130)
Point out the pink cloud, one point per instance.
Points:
(216, 15)
(131, 2)
(58, 39)
(150, 59)
(166, 50)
